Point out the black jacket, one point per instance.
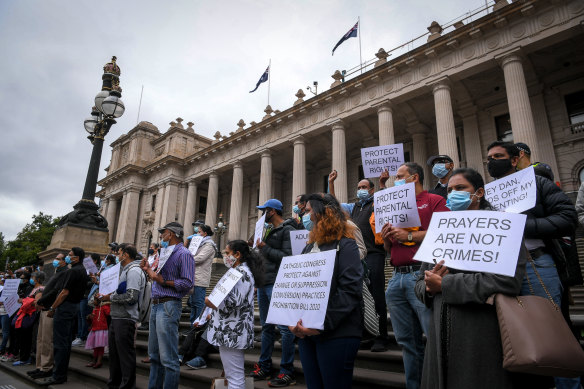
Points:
(362, 211)
(53, 287)
(344, 312)
(277, 247)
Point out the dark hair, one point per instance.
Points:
(79, 252)
(122, 246)
(371, 184)
(303, 198)
(512, 150)
(96, 257)
(156, 245)
(414, 168)
(331, 219)
(253, 259)
(131, 251)
(111, 259)
(26, 275)
(206, 229)
(39, 276)
(477, 182)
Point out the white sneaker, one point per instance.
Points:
(77, 342)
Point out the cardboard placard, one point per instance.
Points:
(514, 193)
(298, 241)
(109, 279)
(224, 286)
(397, 206)
(380, 158)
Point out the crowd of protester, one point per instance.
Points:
(442, 321)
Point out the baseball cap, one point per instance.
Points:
(271, 203)
(434, 158)
(198, 223)
(523, 147)
(175, 227)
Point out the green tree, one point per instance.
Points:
(34, 238)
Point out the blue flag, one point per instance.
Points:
(352, 33)
(263, 78)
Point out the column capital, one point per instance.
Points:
(442, 83)
(237, 164)
(513, 55)
(298, 140)
(213, 174)
(384, 106)
(265, 152)
(337, 125)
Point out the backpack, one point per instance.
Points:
(144, 295)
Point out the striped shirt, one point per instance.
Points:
(180, 268)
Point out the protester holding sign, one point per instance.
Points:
(409, 317)
(463, 348)
(328, 356)
(231, 324)
(203, 256)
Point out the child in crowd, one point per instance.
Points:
(98, 337)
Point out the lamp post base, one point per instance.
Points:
(85, 215)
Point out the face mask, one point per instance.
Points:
(229, 260)
(150, 251)
(31, 282)
(499, 167)
(117, 259)
(458, 200)
(268, 217)
(362, 194)
(296, 209)
(103, 263)
(267, 225)
(56, 263)
(196, 230)
(399, 182)
(68, 260)
(163, 244)
(307, 222)
(22, 280)
(439, 170)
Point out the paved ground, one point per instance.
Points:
(10, 381)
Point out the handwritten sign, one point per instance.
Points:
(195, 243)
(11, 304)
(481, 241)
(259, 229)
(380, 158)
(302, 289)
(298, 240)
(108, 280)
(89, 266)
(514, 193)
(396, 205)
(10, 287)
(224, 286)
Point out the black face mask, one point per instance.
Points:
(269, 217)
(150, 251)
(499, 167)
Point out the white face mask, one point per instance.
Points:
(229, 260)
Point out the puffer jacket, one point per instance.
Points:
(277, 247)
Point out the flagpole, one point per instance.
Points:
(269, 79)
(140, 105)
(360, 57)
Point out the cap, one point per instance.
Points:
(113, 245)
(198, 223)
(438, 157)
(271, 203)
(206, 229)
(544, 170)
(523, 147)
(175, 227)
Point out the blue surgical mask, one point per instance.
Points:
(117, 259)
(296, 209)
(362, 194)
(439, 170)
(103, 263)
(163, 244)
(458, 200)
(31, 282)
(56, 263)
(67, 260)
(196, 230)
(399, 182)
(307, 222)
(267, 225)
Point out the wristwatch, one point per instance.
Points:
(410, 236)
(51, 309)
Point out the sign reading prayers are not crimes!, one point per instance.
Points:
(514, 193)
(302, 289)
(380, 158)
(397, 206)
(481, 241)
(224, 286)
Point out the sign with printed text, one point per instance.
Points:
(302, 289)
(11, 304)
(224, 286)
(89, 266)
(481, 241)
(108, 280)
(259, 229)
(514, 193)
(298, 240)
(397, 206)
(195, 243)
(380, 158)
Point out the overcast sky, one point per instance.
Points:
(196, 59)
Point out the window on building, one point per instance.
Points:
(360, 172)
(503, 125)
(325, 184)
(202, 205)
(153, 207)
(407, 156)
(575, 107)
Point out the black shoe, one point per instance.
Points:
(282, 380)
(52, 381)
(366, 344)
(260, 374)
(144, 327)
(42, 374)
(380, 346)
(35, 371)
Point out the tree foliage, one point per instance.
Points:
(34, 238)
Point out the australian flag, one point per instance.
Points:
(263, 78)
(351, 34)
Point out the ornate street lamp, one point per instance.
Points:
(219, 230)
(108, 107)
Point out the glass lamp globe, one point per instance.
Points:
(220, 224)
(99, 99)
(113, 106)
(89, 124)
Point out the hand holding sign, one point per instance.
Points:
(380, 158)
(108, 281)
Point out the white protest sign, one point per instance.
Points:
(195, 243)
(108, 280)
(396, 205)
(298, 240)
(302, 289)
(89, 266)
(481, 241)
(259, 229)
(10, 287)
(379, 158)
(224, 286)
(11, 304)
(514, 193)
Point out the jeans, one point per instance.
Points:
(62, 337)
(197, 302)
(5, 321)
(82, 327)
(328, 363)
(268, 333)
(163, 345)
(122, 354)
(410, 319)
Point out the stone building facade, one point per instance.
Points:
(516, 73)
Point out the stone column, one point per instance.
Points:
(420, 152)
(385, 118)
(158, 209)
(522, 123)
(265, 177)
(472, 140)
(129, 216)
(340, 160)
(445, 122)
(169, 205)
(212, 199)
(299, 169)
(191, 201)
(545, 143)
(234, 231)
(112, 217)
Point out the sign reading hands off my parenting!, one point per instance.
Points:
(302, 289)
(514, 193)
(224, 286)
(481, 241)
(397, 206)
(380, 158)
